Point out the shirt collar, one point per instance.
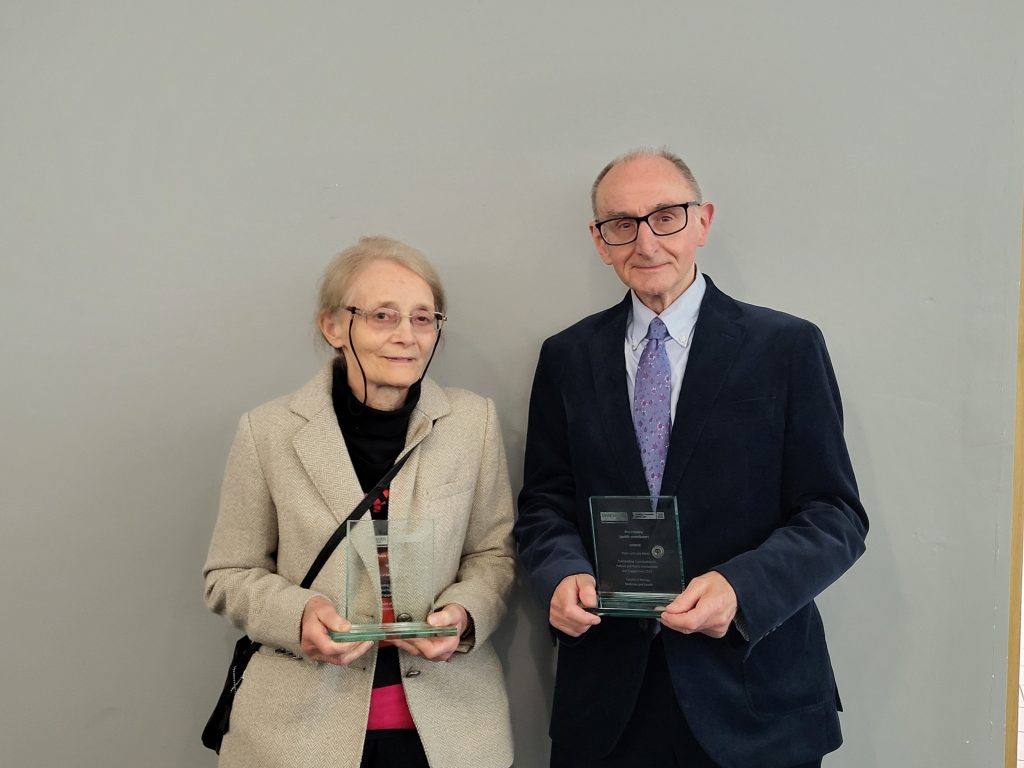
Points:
(679, 317)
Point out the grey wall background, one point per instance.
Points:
(174, 177)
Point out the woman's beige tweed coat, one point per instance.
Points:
(289, 483)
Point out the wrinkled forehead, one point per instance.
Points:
(636, 187)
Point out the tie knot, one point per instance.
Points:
(657, 330)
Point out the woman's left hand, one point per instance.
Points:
(438, 648)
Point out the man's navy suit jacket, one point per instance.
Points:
(767, 497)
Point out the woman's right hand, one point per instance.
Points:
(318, 616)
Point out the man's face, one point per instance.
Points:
(657, 268)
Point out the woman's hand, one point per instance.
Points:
(319, 616)
(438, 648)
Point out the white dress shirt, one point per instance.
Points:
(680, 317)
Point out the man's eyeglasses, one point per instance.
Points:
(623, 230)
(387, 319)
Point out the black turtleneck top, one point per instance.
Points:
(373, 438)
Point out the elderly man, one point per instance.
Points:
(747, 436)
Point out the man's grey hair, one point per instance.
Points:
(663, 152)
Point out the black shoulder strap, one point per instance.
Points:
(355, 514)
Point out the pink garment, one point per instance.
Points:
(388, 709)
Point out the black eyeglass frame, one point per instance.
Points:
(439, 317)
(646, 220)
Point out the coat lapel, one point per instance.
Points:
(432, 405)
(321, 448)
(716, 340)
(608, 364)
(322, 452)
(414, 542)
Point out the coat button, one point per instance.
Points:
(413, 673)
(403, 617)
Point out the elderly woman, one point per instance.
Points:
(299, 465)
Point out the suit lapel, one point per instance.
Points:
(716, 340)
(608, 365)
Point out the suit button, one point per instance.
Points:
(403, 617)
(413, 673)
(643, 625)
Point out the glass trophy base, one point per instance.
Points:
(398, 630)
(637, 605)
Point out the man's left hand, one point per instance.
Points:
(707, 605)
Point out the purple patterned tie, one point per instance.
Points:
(652, 404)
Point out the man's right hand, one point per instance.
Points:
(566, 615)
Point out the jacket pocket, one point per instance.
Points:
(789, 669)
(448, 490)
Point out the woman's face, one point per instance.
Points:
(392, 359)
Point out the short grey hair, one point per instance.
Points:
(663, 152)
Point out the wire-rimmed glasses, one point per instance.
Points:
(388, 318)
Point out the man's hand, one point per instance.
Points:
(566, 614)
(707, 605)
(438, 648)
(318, 616)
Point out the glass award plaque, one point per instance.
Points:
(638, 559)
(389, 581)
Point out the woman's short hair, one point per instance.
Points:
(341, 274)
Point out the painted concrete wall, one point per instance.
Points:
(174, 177)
